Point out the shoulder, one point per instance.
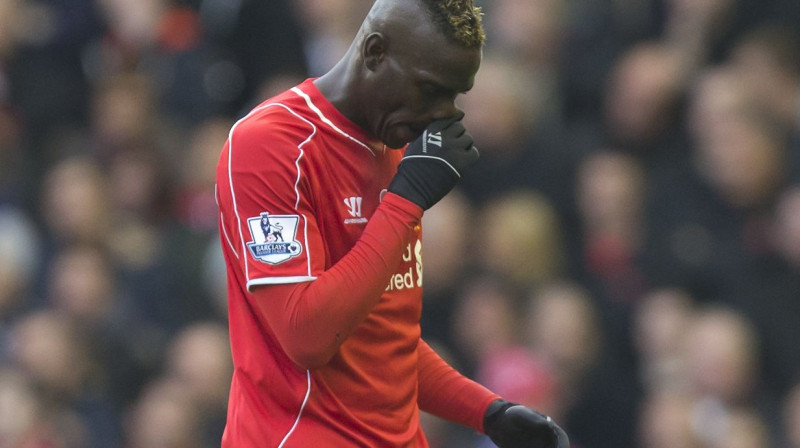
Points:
(274, 121)
(271, 139)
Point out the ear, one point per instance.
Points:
(373, 50)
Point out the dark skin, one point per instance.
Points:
(400, 73)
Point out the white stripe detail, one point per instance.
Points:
(278, 281)
(227, 238)
(325, 119)
(436, 158)
(305, 237)
(300, 413)
(230, 174)
(297, 165)
(222, 223)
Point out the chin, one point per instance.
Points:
(395, 146)
(397, 137)
(393, 141)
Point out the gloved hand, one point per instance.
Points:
(433, 163)
(511, 425)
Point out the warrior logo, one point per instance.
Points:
(431, 139)
(353, 204)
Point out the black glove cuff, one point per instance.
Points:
(425, 183)
(403, 187)
(493, 413)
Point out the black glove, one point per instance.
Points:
(511, 425)
(433, 163)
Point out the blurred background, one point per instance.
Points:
(626, 257)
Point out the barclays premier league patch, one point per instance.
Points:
(274, 237)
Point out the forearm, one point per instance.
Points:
(310, 320)
(446, 393)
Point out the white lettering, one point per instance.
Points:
(398, 281)
(402, 280)
(407, 254)
(418, 255)
(413, 276)
(408, 279)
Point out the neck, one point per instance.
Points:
(340, 87)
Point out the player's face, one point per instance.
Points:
(418, 84)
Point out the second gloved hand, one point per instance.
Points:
(511, 425)
(433, 163)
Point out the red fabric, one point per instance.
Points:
(444, 392)
(298, 186)
(312, 320)
(324, 286)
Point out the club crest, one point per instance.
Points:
(274, 237)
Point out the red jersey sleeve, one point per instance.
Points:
(264, 199)
(446, 393)
(310, 320)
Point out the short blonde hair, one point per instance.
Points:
(459, 20)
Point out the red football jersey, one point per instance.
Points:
(297, 182)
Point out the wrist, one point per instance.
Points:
(402, 186)
(493, 414)
(510, 425)
(399, 204)
(423, 180)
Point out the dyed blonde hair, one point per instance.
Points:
(459, 20)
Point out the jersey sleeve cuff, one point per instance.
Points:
(403, 205)
(278, 281)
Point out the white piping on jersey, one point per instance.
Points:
(222, 223)
(279, 280)
(325, 119)
(297, 165)
(296, 191)
(297, 203)
(227, 238)
(299, 413)
(305, 238)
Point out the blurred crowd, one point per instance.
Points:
(626, 256)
